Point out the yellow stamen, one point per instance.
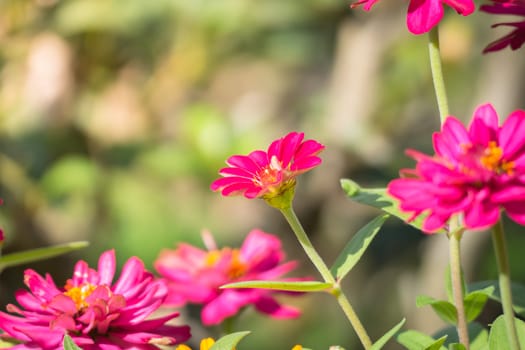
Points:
(79, 294)
(237, 268)
(206, 343)
(491, 159)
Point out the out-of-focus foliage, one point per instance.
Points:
(115, 116)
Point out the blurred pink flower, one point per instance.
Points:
(269, 174)
(474, 173)
(94, 312)
(195, 275)
(515, 38)
(423, 15)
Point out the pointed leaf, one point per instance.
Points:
(228, 342)
(498, 339)
(353, 251)
(438, 344)
(292, 286)
(456, 346)
(386, 337)
(475, 302)
(414, 340)
(445, 310)
(478, 335)
(69, 344)
(378, 198)
(518, 294)
(32, 255)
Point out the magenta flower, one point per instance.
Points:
(97, 314)
(195, 275)
(474, 173)
(269, 174)
(515, 38)
(423, 15)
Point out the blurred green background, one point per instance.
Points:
(115, 116)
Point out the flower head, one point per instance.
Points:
(515, 38)
(423, 15)
(95, 312)
(269, 174)
(475, 172)
(195, 276)
(207, 343)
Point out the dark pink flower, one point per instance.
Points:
(269, 173)
(423, 15)
(96, 313)
(515, 38)
(474, 173)
(195, 275)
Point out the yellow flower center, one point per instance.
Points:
(79, 294)
(236, 267)
(270, 174)
(491, 160)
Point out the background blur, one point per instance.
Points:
(115, 117)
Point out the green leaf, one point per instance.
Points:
(353, 251)
(228, 342)
(438, 344)
(478, 335)
(498, 339)
(386, 337)
(28, 256)
(475, 302)
(378, 198)
(292, 286)
(69, 344)
(414, 340)
(445, 310)
(456, 346)
(518, 294)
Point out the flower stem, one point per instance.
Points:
(454, 234)
(437, 73)
(318, 262)
(457, 286)
(500, 248)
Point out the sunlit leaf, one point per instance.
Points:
(228, 342)
(32, 255)
(378, 198)
(456, 346)
(353, 251)
(386, 337)
(498, 338)
(475, 302)
(292, 286)
(414, 340)
(445, 310)
(438, 344)
(69, 344)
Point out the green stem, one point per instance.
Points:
(318, 262)
(437, 73)
(500, 248)
(457, 286)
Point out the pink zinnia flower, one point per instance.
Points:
(423, 15)
(270, 173)
(195, 275)
(94, 312)
(475, 172)
(515, 38)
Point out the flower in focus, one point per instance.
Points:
(515, 38)
(423, 15)
(475, 172)
(269, 174)
(194, 276)
(94, 312)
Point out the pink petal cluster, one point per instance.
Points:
(423, 15)
(195, 275)
(515, 38)
(268, 173)
(94, 312)
(474, 173)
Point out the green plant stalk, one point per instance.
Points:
(454, 234)
(457, 286)
(437, 73)
(500, 249)
(318, 262)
